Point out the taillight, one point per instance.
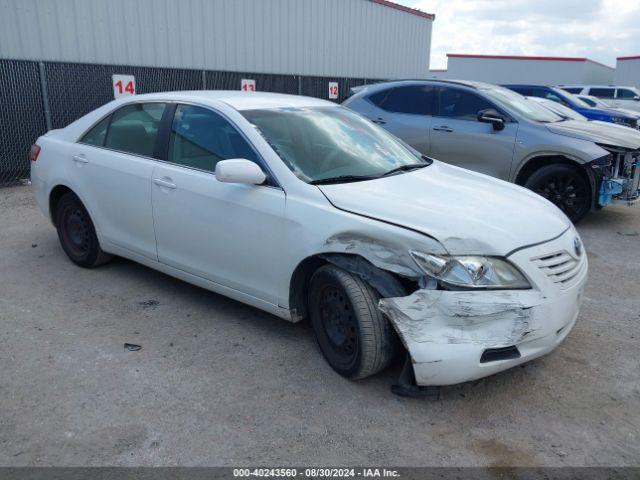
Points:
(35, 151)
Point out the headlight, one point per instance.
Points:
(620, 120)
(471, 271)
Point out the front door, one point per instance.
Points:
(627, 98)
(228, 233)
(458, 138)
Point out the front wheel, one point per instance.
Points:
(77, 234)
(565, 186)
(353, 335)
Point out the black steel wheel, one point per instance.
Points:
(353, 335)
(566, 186)
(77, 234)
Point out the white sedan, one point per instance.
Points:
(307, 210)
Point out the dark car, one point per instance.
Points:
(565, 98)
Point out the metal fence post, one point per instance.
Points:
(204, 79)
(299, 84)
(45, 96)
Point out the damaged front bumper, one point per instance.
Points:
(620, 178)
(458, 336)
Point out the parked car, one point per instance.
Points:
(570, 114)
(569, 100)
(305, 209)
(493, 130)
(596, 102)
(616, 96)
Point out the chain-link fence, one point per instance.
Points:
(22, 117)
(36, 96)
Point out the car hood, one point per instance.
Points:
(610, 112)
(631, 113)
(467, 212)
(598, 132)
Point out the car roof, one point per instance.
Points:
(466, 83)
(598, 86)
(536, 85)
(237, 99)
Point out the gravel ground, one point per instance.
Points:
(220, 383)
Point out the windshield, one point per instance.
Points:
(596, 102)
(589, 101)
(558, 108)
(520, 105)
(322, 143)
(572, 98)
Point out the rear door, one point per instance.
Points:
(405, 111)
(458, 138)
(112, 165)
(231, 234)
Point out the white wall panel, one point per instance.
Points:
(628, 72)
(310, 37)
(533, 71)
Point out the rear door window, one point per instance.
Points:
(602, 92)
(572, 89)
(457, 103)
(411, 99)
(134, 128)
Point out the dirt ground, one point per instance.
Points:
(220, 383)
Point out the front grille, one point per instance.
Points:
(561, 267)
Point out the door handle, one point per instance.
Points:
(379, 121)
(80, 158)
(443, 128)
(165, 183)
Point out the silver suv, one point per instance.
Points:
(576, 165)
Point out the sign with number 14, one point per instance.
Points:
(123, 85)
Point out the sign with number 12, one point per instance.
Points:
(333, 90)
(123, 85)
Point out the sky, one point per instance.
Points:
(597, 29)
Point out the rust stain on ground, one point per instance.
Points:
(500, 454)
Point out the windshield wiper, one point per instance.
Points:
(405, 168)
(343, 179)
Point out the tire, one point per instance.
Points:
(353, 335)
(566, 186)
(77, 234)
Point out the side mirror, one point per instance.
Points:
(239, 170)
(491, 116)
(637, 98)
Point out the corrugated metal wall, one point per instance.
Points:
(345, 38)
(628, 72)
(544, 72)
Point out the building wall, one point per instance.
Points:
(628, 71)
(350, 38)
(543, 71)
(597, 74)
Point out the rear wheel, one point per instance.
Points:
(77, 234)
(565, 186)
(353, 335)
